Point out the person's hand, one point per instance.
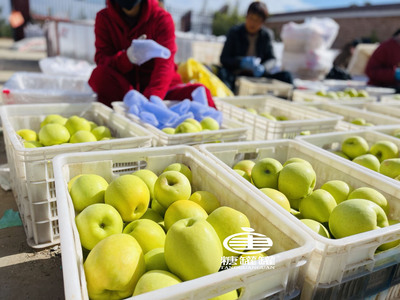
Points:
(249, 62)
(141, 51)
(258, 71)
(397, 74)
(134, 97)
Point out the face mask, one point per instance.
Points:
(127, 4)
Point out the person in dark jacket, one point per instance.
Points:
(248, 49)
(126, 33)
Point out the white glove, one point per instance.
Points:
(142, 50)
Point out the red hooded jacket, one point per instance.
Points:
(114, 36)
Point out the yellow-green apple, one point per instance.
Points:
(101, 132)
(129, 195)
(359, 121)
(180, 167)
(317, 206)
(113, 267)
(93, 125)
(186, 127)
(278, 197)
(207, 200)
(369, 161)
(82, 136)
(27, 134)
(252, 110)
(76, 123)
(87, 189)
(296, 181)
(362, 93)
(232, 295)
(317, 227)
(352, 92)
(282, 118)
(148, 233)
(192, 240)
(320, 93)
(372, 195)
(339, 189)
(53, 134)
(156, 206)
(227, 221)
(72, 180)
(32, 144)
(194, 122)
(155, 260)
(355, 216)
(245, 165)
(171, 186)
(209, 123)
(249, 259)
(265, 173)
(332, 95)
(168, 130)
(341, 154)
(354, 146)
(96, 222)
(296, 159)
(390, 167)
(243, 174)
(183, 209)
(53, 118)
(392, 244)
(384, 150)
(268, 116)
(153, 215)
(154, 280)
(149, 178)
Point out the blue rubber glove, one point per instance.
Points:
(258, 71)
(142, 50)
(397, 74)
(134, 97)
(249, 62)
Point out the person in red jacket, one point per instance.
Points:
(124, 60)
(383, 67)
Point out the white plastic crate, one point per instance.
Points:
(390, 98)
(307, 96)
(344, 268)
(230, 131)
(350, 113)
(249, 86)
(291, 249)
(332, 142)
(30, 87)
(391, 109)
(299, 118)
(31, 171)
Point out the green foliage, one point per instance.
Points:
(223, 21)
(5, 29)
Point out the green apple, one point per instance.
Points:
(155, 260)
(317, 206)
(156, 206)
(369, 161)
(32, 144)
(305, 132)
(53, 118)
(186, 127)
(87, 189)
(149, 178)
(352, 92)
(82, 136)
(27, 134)
(71, 181)
(339, 189)
(183, 209)
(209, 123)
(268, 116)
(93, 125)
(227, 221)
(278, 197)
(282, 118)
(113, 267)
(317, 227)
(53, 134)
(207, 200)
(96, 222)
(265, 173)
(341, 154)
(362, 94)
(180, 167)
(372, 195)
(332, 95)
(359, 121)
(390, 167)
(101, 132)
(172, 186)
(148, 233)
(384, 150)
(320, 93)
(76, 123)
(243, 174)
(192, 249)
(355, 216)
(153, 215)
(129, 195)
(296, 159)
(252, 110)
(354, 146)
(390, 245)
(195, 123)
(296, 180)
(232, 295)
(245, 165)
(168, 130)
(154, 280)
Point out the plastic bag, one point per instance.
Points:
(59, 65)
(194, 71)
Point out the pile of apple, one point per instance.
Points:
(144, 231)
(347, 93)
(335, 210)
(191, 125)
(56, 129)
(361, 122)
(382, 156)
(266, 114)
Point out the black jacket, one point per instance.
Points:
(236, 46)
